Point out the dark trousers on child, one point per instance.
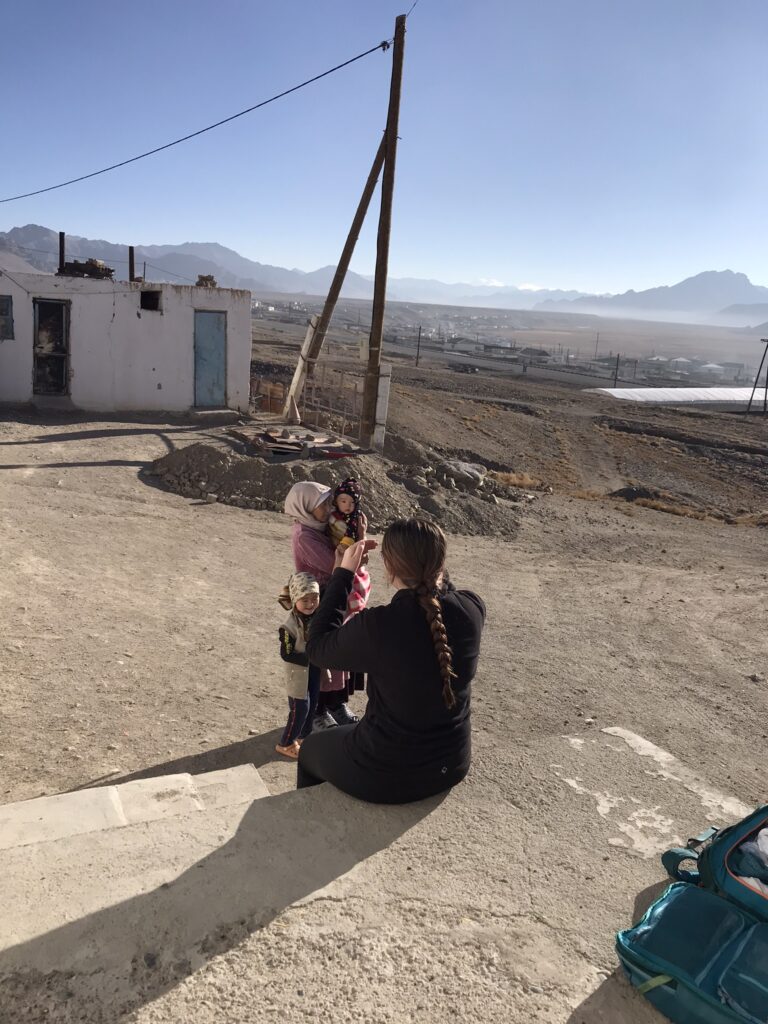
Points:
(301, 710)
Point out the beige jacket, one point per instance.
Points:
(296, 676)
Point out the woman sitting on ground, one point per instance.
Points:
(420, 653)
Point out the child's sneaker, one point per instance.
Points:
(343, 716)
(323, 720)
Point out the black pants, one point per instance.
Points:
(331, 700)
(323, 758)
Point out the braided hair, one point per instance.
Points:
(414, 551)
(352, 488)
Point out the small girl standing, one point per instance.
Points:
(301, 598)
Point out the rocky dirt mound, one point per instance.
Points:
(461, 496)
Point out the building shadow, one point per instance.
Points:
(105, 965)
(256, 750)
(82, 464)
(101, 434)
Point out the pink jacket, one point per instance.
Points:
(312, 552)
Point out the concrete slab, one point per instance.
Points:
(51, 819)
(230, 786)
(117, 916)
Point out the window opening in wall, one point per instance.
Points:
(6, 317)
(51, 348)
(151, 300)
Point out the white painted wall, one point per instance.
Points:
(122, 357)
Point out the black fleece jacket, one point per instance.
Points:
(407, 734)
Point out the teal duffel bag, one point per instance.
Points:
(700, 953)
(699, 958)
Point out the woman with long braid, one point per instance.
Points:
(420, 652)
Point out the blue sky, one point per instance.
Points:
(599, 145)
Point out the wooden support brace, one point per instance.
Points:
(300, 373)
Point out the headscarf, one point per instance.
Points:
(302, 500)
(298, 586)
(351, 487)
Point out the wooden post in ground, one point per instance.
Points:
(757, 379)
(300, 373)
(346, 255)
(371, 392)
(382, 406)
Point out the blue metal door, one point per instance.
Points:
(210, 359)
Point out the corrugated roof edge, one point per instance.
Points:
(676, 396)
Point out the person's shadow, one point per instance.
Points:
(615, 1001)
(104, 965)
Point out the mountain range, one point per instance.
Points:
(715, 297)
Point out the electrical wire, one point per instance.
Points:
(4, 273)
(384, 45)
(411, 10)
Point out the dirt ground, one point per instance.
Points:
(139, 638)
(699, 462)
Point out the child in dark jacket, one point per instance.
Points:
(301, 598)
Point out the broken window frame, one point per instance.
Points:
(159, 299)
(6, 318)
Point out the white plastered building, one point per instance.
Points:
(96, 344)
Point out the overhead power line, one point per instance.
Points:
(384, 45)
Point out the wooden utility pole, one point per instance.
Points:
(371, 388)
(346, 257)
(616, 371)
(764, 341)
(418, 346)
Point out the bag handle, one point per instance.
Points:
(702, 837)
(657, 982)
(672, 859)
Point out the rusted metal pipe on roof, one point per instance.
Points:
(62, 251)
(131, 264)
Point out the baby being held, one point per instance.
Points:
(346, 523)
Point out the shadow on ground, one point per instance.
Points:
(615, 1001)
(100, 967)
(256, 750)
